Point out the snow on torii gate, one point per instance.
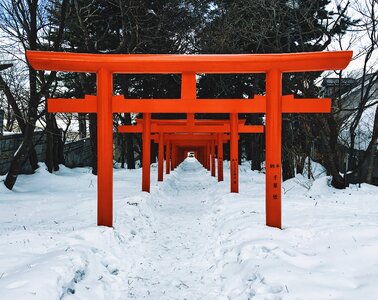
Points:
(273, 104)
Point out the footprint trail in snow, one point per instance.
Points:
(177, 259)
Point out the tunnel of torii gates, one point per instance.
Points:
(180, 136)
(273, 104)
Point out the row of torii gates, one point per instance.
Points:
(181, 136)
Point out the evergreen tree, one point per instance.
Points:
(272, 26)
(133, 26)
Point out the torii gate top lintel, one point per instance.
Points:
(198, 63)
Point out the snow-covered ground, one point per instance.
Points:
(189, 239)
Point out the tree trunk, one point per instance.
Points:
(287, 167)
(130, 158)
(301, 163)
(60, 147)
(49, 159)
(370, 167)
(53, 144)
(57, 146)
(82, 126)
(372, 150)
(329, 135)
(226, 153)
(21, 154)
(153, 152)
(33, 159)
(123, 150)
(288, 150)
(93, 133)
(257, 151)
(241, 149)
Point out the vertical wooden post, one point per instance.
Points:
(208, 156)
(234, 167)
(188, 90)
(161, 157)
(220, 157)
(104, 148)
(190, 116)
(173, 164)
(273, 141)
(168, 158)
(213, 158)
(146, 163)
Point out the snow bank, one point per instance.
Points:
(318, 253)
(50, 247)
(84, 261)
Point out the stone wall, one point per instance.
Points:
(9, 144)
(76, 154)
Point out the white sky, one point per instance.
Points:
(357, 39)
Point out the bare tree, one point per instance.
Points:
(368, 9)
(24, 22)
(340, 129)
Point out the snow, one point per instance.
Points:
(6, 133)
(189, 239)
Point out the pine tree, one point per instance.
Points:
(273, 26)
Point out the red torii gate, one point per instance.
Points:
(197, 143)
(189, 125)
(205, 157)
(192, 142)
(273, 103)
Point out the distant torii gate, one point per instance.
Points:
(193, 142)
(204, 152)
(189, 125)
(273, 104)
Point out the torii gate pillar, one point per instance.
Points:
(161, 157)
(168, 158)
(173, 154)
(234, 165)
(104, 148)
(146, 160)
(212, 158)
(208, 158)
(220, 157)
(273, 141)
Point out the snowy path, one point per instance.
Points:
(177, 260)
